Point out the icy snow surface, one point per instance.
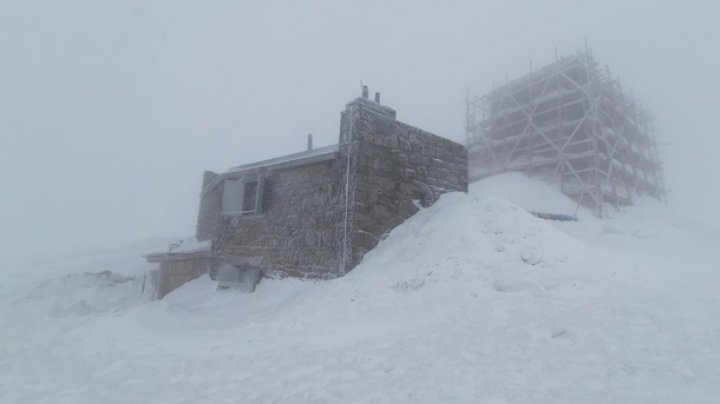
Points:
(472, 300)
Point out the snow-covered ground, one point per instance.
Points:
(472, 300)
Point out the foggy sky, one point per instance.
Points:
(110, 111)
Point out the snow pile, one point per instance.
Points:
(472, 300)
(534, 196)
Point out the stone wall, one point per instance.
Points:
(303, 230)
(209, 211)
(395, 167)
(297, 233)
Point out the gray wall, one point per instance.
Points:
(394, 164)
(209, 211)
(177, 272)
(297, 233)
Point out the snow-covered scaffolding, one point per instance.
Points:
(570, 123)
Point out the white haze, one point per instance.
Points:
(110, 111)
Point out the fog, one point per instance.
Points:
(110, 111)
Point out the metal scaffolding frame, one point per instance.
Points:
(570, 123)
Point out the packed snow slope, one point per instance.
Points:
(472, 300)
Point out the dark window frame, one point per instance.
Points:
(242, 204)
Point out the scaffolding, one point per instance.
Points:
(572, 124)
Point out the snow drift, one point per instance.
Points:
(472, 300)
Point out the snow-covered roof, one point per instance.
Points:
(287, 161)
(183, 249)
(177, 256)
(304, 157)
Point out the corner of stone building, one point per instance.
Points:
(394, 167)
(209, 207)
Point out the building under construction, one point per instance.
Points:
(569, 123)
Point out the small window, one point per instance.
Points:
(242, 196)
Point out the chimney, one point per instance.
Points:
(310, 145)
(377, 97)
(365, 92)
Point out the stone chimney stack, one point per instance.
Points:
(309, 142)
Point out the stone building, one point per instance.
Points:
(316, 213)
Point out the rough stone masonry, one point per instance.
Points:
(315, 214)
